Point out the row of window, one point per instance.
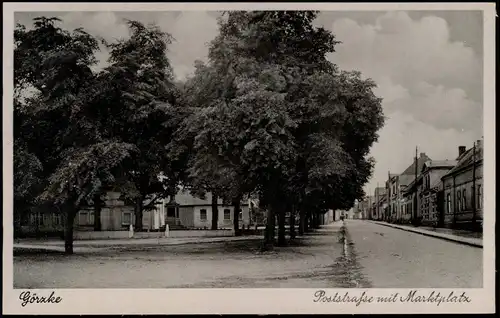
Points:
(227, 214)
(461, 199)
(87, 218)
(42, 219)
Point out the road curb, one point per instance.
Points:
(461, 240)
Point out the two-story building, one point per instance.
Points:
(396, 187)
(463, 190)
(432, 190)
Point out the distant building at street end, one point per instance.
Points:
(362, 208)
(463, 190)
(376, 208)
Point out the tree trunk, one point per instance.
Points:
(307, 222)
(70, 213)
(281, 226)
(215, 213)
(269, 234)
(236, 217)
(302, 222)
(292, 223)
(138, 214)
(97, 212)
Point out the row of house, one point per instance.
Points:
(440, 193)
(184, 211)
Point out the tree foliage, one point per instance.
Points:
(280, 118)
(268, 114)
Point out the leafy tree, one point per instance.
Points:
(136, 101)
(286, 116)
(57, 124)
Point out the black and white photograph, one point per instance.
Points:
(344, 154)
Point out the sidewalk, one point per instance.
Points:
(446, 234)
(58, 245)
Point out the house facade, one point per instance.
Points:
(432, 190)
(188, 211)
(463, 190)
(185, 211)
(115, 215)
(398, 192)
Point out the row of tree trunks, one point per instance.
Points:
(307, 223)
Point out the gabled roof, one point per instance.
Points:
(436, 164)
(466, 159)
(420, 162)
(186, 198)
(406, 179)
(411, 185)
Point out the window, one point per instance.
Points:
(240, 215)
(126, 218)
(459, 200)
(85, 218)
(479, 198)
(203, 214)
(464, 198)
(227, 214)
(448, 202)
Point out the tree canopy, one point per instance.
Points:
(267, 114)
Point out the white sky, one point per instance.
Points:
(428, 67)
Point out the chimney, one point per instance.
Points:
(478, 143)
(461, 150)
(422, 154)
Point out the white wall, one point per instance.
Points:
(222, 223)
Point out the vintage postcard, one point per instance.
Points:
(252, 158)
